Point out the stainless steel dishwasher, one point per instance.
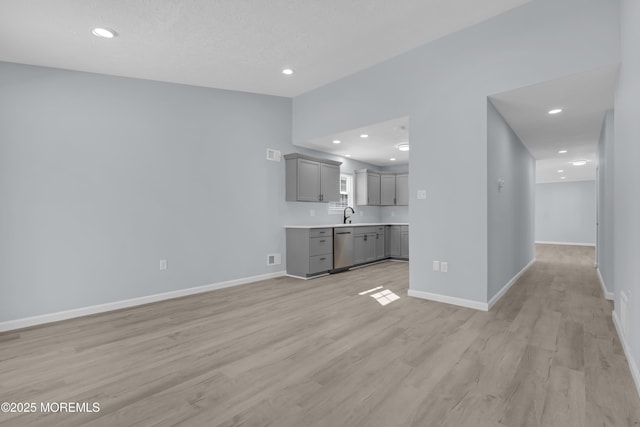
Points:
(342, 247)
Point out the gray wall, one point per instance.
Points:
(442, 87)
(101, 177)
(626, 209)
(566, 212)
(605, 202)
(510, 225)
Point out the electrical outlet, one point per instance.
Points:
(444, 266)
(436, 265)
(312, 212)
(163, 264)
(393, 213)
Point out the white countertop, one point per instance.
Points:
(360, 224)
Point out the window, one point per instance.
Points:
(346, 194)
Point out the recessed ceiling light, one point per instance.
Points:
(562, 151)
(404, 146)
(103, 32)
(392, 159)
(347, 155)
(364, 135)
(560, 170)
(563, 177)
(555, 111)
(287, 71)
(579, 162)
(336, 141)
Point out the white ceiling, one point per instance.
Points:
(230, 44)
(377, 149)
(584, 99)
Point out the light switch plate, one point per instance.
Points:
(436, 265)
(444, 266)
(422, 194)
(163, 264)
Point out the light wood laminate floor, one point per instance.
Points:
(286, 352)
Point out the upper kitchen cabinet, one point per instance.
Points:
(381, 188)
(367, 187)
(311, 179)
(387, 190)
(402, 190)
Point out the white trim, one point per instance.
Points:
(117, 305)
(607, 295)
(477, 305)
(635, 373)
(511, 282)
(540, 242)
(305, 278)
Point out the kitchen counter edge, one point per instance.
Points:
(371, 224)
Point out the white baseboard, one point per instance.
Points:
(511, 282)
(565, 243)
(117, 305)
(477, 305)
(635, 373)
(608, 295)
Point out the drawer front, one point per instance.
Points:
(320, 263)
(320, 232)
(380, 229)
(320, 245)
(364, 230)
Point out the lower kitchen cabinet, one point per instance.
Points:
(309, 251)
(394, 242)
(364, 244)
(380, 246)
(404, 241)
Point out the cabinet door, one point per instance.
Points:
(359, 250)
(370, 247)
(308, 181)
(402, 190)
(380, 247)
(404, 243)
(330, 183)
(373, 189)
(395, 241)
(387, 190)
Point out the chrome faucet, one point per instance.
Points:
(344, 220)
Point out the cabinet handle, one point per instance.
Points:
(322, 241)
(394, 200)
(322, 232)
(322, 259)
(365, 237)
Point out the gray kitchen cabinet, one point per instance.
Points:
(381, 188)
(404, 241)
(395, 241)
(311, 179)
(387, 190)
(309, 251)
(367, 188)
(364, 244)
(380, 246)
(402, 190)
